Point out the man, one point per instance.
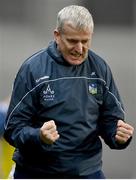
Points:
(64, 98)
(3, 112)
(6, 151)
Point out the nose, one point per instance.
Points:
(79, 47)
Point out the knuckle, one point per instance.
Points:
(52, 122)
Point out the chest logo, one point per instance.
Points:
(93, 89)
(48, 94)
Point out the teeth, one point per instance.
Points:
(76, 54)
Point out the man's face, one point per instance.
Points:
(73, 43)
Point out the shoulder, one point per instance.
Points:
(98, 60)
(32, 68)
(33, 63)
(99, 64)
(35, 59)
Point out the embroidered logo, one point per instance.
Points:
(42, 78)
(48, 94)
(93, 89)
(93, 74)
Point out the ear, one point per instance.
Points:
(56, 35)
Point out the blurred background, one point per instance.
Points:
(27, 26)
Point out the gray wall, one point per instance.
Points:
(27, 25)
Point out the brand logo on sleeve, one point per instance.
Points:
(93, 74)
(42, 78)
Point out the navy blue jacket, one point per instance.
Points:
(83, 101)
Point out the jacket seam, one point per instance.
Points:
(51, 80)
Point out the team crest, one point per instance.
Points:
(93, 89)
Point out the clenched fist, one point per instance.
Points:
(124, 132)
(48, 132)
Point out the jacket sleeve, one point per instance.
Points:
(19, 128)
(111, 111)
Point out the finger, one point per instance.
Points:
(123, 135)
(120, 139)
(125, 125)
(124, 131)
(49, 125)
(52, 130)
(52, 137)
(55, 135)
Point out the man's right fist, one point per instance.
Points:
(48, 132)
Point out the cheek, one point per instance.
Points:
(88, 45)
(85, 49)
(85, 52)
(65, 50)
(62, 47)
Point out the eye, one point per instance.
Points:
(72, 41)
(84, 41)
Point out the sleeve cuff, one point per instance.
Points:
(121, 146)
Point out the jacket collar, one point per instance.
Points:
(55, 54)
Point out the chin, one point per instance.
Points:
(75, 62)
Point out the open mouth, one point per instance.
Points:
(76, 54)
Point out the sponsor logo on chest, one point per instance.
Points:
(48, 94)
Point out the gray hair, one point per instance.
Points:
(79, 16)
